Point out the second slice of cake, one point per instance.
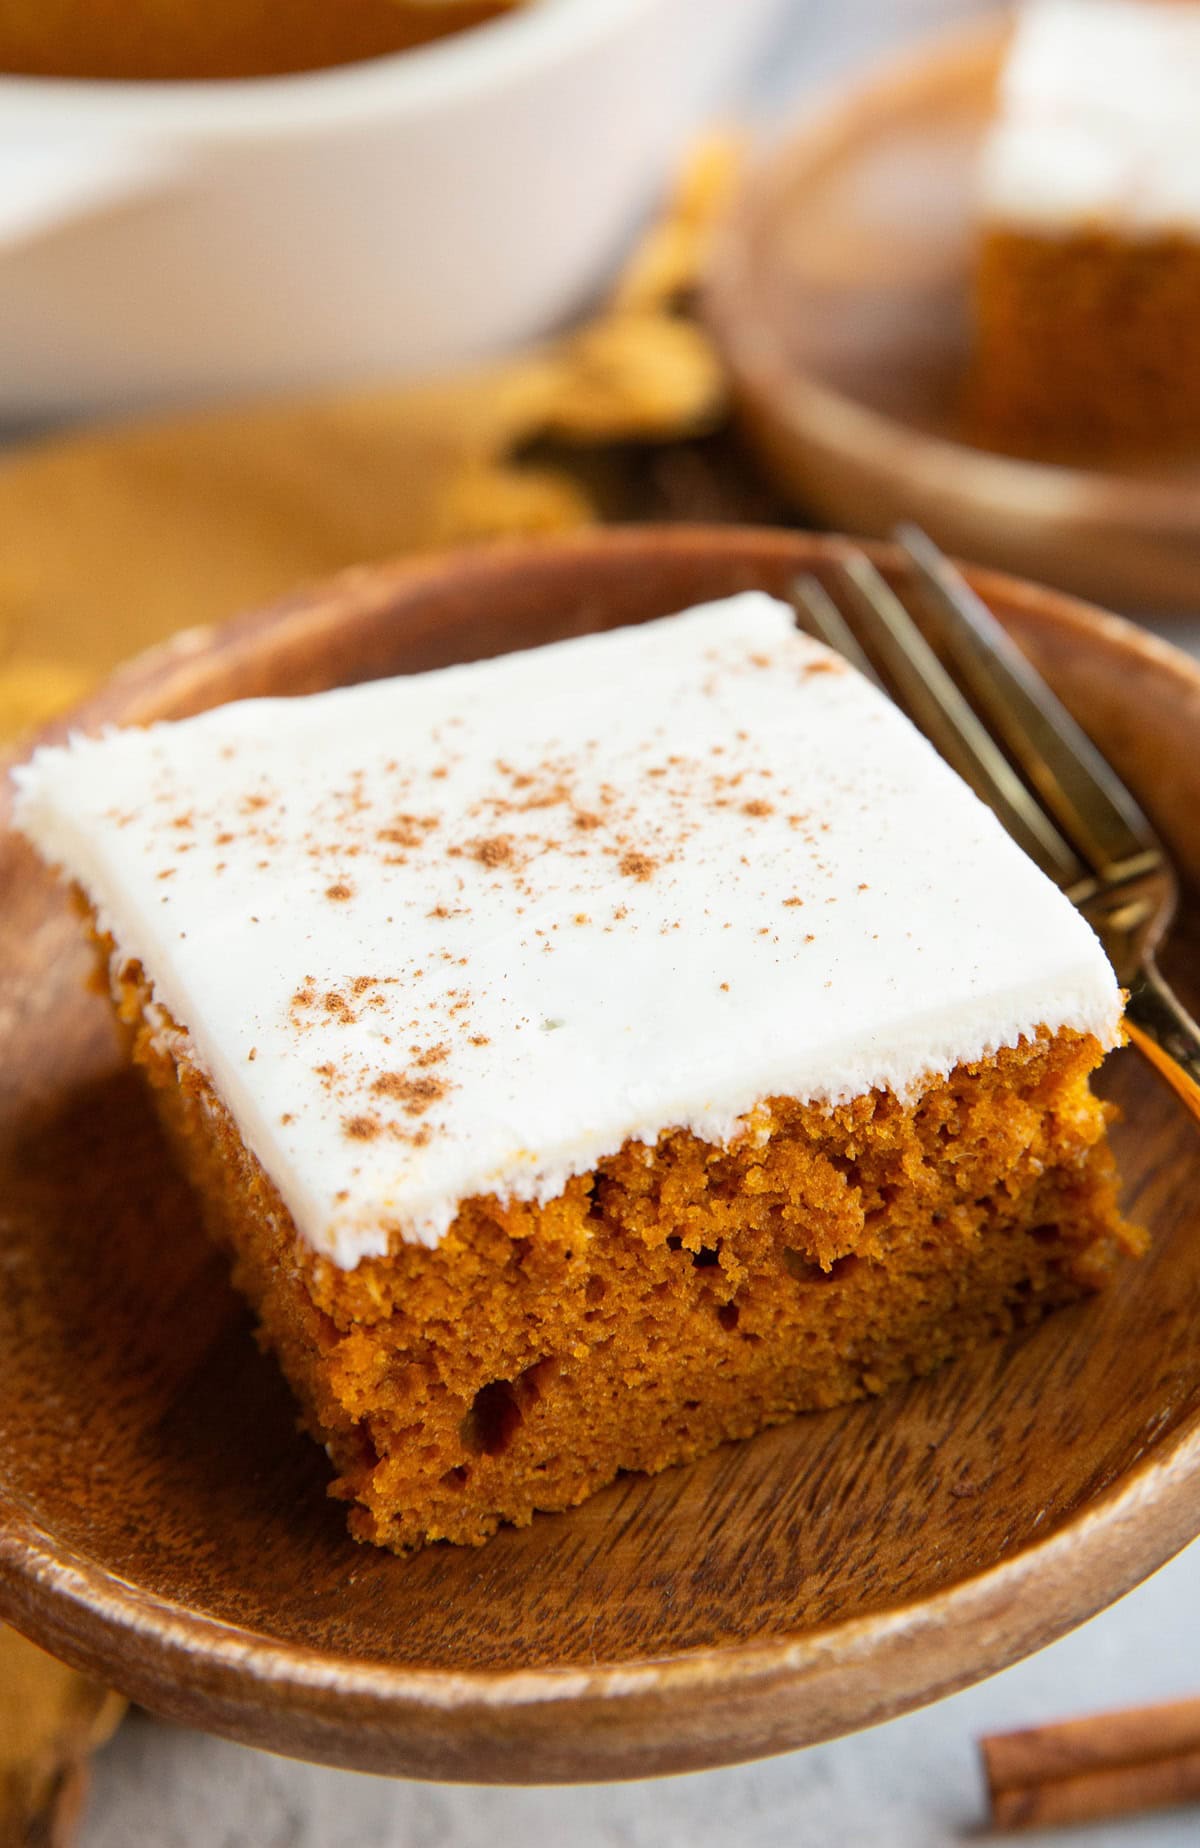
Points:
(595, 1053)
(1088, 286)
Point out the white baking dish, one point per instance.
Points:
(170, 242)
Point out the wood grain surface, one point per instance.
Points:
(839, 293)
(163, 1525)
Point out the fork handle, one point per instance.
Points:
(1165, 1033)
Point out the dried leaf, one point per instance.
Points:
(51, 1720)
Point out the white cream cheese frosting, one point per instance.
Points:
(468, 932)
(1098, 123)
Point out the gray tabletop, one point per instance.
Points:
(911, 1784)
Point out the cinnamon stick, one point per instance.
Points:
(1088, 1770)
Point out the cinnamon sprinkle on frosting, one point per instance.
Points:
(512, 915)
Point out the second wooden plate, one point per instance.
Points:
(839, 293)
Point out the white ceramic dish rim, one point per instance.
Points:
(410, 83)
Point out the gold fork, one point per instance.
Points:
(1023, 754)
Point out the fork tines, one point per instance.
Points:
(1012, 740)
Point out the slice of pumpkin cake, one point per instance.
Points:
(592, 1054)
(1087, 289)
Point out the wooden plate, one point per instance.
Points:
(163, 1525)
(839, 295)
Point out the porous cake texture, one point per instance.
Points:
(596, 1053)
(1087, 290)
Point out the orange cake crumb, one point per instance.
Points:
(678, 1296)
(1087, 345)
